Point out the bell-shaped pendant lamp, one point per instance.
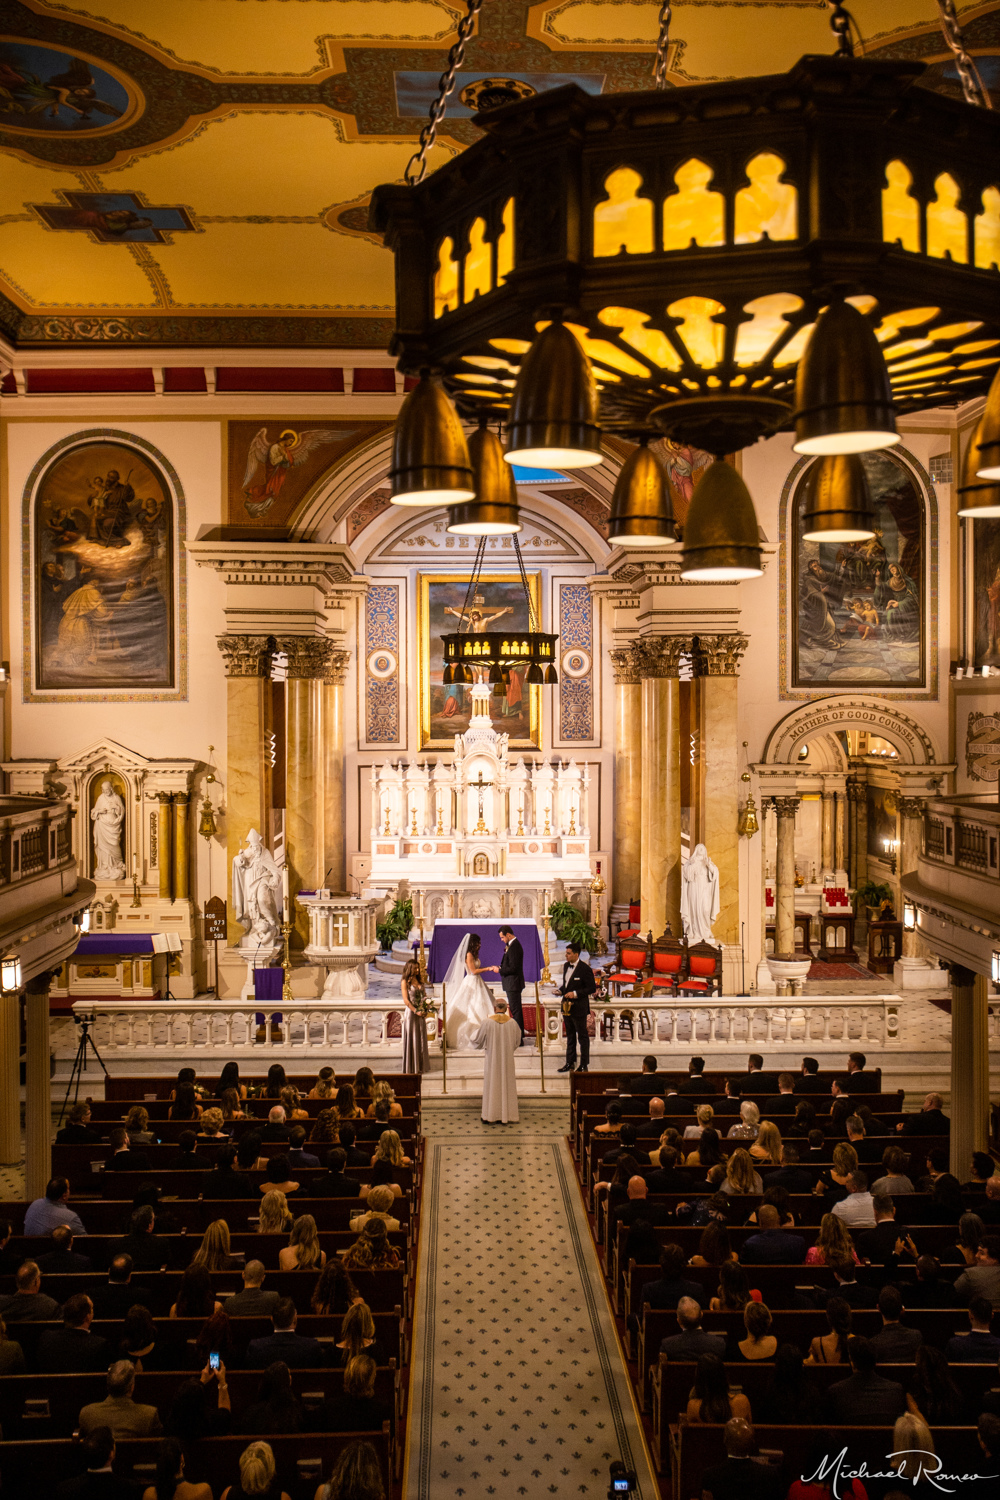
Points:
(721, 535)
(430, 457)
(843, 400)
(989, 434)
(976, 496)
(494, 510)
(553, 414)
(641, 512)
(838, 504)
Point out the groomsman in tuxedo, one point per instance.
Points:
(578, 984)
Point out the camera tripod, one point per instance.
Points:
(86, 1044)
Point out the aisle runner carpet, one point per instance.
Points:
(820, 970)
(518, 1385)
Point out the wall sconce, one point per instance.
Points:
(10, 975)
(206, 823)
(83, 920)
(891, 847)
(909, 916)
(996, 967)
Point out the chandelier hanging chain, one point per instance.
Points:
(532, 622)
(840, 25)
(663, 37)
(416, 167)
(973, 87)
(470, 593)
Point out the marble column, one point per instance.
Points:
(858, 793)
(827, 834)
(784, 878)
(660, 835)
(165, 844)
(911, 836)
(10, 1083)
(839, 831)
(716, 660)
(247, 684)
(308, 657)
(182, 846)
(38, 1088)
(970, 1068)
(334, 853)
(626, 866)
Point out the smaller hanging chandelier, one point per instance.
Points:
(987, 438)
(494, 511)
(553, 416)
(641, 513)
(976, 496)
(471, 650)
(430, 457)
(721, 535)
(843, 400)
(838, 505)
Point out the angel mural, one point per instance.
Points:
(55, 90)
(269, 463)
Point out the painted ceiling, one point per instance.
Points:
(198, 171)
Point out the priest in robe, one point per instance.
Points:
(499, 1037)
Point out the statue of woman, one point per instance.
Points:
(108, 818)
(699, 896)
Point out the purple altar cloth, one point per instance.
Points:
(267, 983)
(448, 935)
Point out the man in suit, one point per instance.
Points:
(29, 1304)
(988, 1207)
(187, 1158)
(692, 1340)
(142, 1242)
(276, 1129)
(336, 1183)
(298, 1352)
(77, 1131)
(512, 975)
(754, 1080)
(864, 1398)
(126, 1417)
(347, 1136)
(773, 1246)
(62, 1259)
(695, 1082)
(741, 1476)
(117, 1295)
(666, 1178)
(637, 1206)
(672, 1284)
(982, 1278)
(883, 1244)
(298, 1156)
(653, 1128)
(645, 1082)
(728, 1102)
(253, 1301)
(223, 1181)
(979, 1346)
(578, 984)
(854, 1292)
(98, 1482)
(626, 1146)
(895, 1344)
(790, 1176)
(929, 1289)
(123, 1158)
(928, 1121)
(784, 1101)
(73, 1349)
(810, 1081)
(861, 1082)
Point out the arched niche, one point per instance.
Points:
(914, 746)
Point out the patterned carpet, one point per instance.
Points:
(820, 970)
(518, 1386)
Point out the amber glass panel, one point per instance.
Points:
(768, 206)
(910, 317)
(755, 338)
(946, 223)
(624, 221)
(900, 211)
(986, 231)
(693, 213)
(446, 278)
(505, 243)
(651, 342)
(703, 339)
(478, 265)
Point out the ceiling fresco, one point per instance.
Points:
(197, 171)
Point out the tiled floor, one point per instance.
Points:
(518, 1386)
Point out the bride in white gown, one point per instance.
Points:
(470, 1003)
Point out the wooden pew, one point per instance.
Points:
(132, 1088)
(105, 1216)
(178, 1249)
(605, 1082)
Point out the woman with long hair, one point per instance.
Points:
(714, 1248)
(933, 1394)
(344, 1104)
(258, 1474)
(704, 1116)
(383, 1092)
(138, 1342)
(357, 1336)
(185, 1105)
(364, 1083)
(275, 1217)
(390, 1149)
(356, 1475)
(302, 1253)
(803, 1120)
(767, 1146)
(11, 1353)
(325, 1086)
(833, 1183)
(971, 1230)
(749, 1123)
(230, 1079)
(416, 1052)
(334, 1290)
(292, 1101)
(708, 1152)
(276, 1408)
(734, 1289)
(195, 1298)
(371, 1250)
(324, 1131)
(834, 1245)
(831, 1348)
(231, 1105)
(275, 1082)
(946, 1205)
(626, 1167)
(170, 1483)
(711, 1399)
(214, 1251)
(760, 1342)
(740, 1175)
(137, 1125)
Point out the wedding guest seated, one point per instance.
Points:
(740, 1175)
(126, 1417)
(298, 1156)
(214, 1251)
(274, 1082)
(232, 1106)
(981, 1169)
(223, 1180)
(865, 1398)
(856, 1209)
(211, 1126)
(346, 1104)
(98, 1481)
(809, 1081)
(252, 1301)
(711, 1399)
(740, 1475)
(929, 1289)
(258, 1475)
(364, 1085)
(983, 1278)
(383, 1091)
(142, 1243)
(704, 1119)
(833, 1245)
(170, 1482)
(803, 1121)
(749, 1123)
(671, 1284)
(139, 1344)
(755, 1080)
(279, 1178)
(612, 1119)
(767, 1146)
(11, 1353)
(894, 1344)
(856, 1293)
(117, 1295)
(336, 1183)
(791, 1396)
(669, 1137)
(347, 1135)
(773, 1245)
(28, 1304)
(357, 1336)
(626, 1146)
(275, 1215)
(371, 1129)
(201, 1407)
(371, 1250)
(932, 1393)
(652, 1128)
(276, 1129)
(971, 1230)
(62, 1259)
(708, 1152)
(187, 1078)
(277, 1407)
(714, 1248)
(832, 1184)
(45, 1214)
(324, 1131)
(815, 1146)
(728, 1102)
(230, 1079)
(930, 1120)
(692, 1341)
(284, 1343)
(695, 1082)
(325, 1086)
(77, 1131)
(187, 1159)
(989, 1208)
(137, 1125)
(72, 1349)
(302, 1253)
(790, 1175)
(195, 1298)
(869, 1153)
(784, 1101)
(936, 1164)
(830, 1348)
(185, 1104)
(334, 1290)
(734, 1289)
(947, 1204)
(893, 1179)
(668, 1177)
(637, 1207)
(760, 1342)
(358, 1409)
(390, 1149)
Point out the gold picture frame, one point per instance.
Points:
(439, 597)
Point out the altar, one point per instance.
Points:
(449, 932)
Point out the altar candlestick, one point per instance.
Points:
(284, 891)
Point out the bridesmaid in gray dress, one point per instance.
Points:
(416, 1055)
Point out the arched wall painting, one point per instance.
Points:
(986, 591)
(103, 602)
(859, 612)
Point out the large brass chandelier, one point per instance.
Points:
(816, 251)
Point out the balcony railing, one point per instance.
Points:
(964, 833)
(34, 838)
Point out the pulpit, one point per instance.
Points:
(836, 918)
(885, 945)
(341, 940)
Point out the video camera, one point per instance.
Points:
(623, 1481)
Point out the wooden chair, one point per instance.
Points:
(631, 927)
(633, 961)
(703, 974)
(669, 963)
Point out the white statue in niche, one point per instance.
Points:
(256, 888)
(699, 896)
(108, 818)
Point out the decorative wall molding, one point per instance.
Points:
(382, 657)
(576, 663)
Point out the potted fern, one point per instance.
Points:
(871, 895)
(569, 923)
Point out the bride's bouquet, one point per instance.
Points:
(423, 1003)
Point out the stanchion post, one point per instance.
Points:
(444, 1037)
(539, 1035)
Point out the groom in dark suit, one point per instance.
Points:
(577, 986)
(512, 974)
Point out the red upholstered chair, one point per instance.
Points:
(669, 960)
(631, 927)
(633, 962)
(704, 971)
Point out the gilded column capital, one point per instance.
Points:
(336, 667)
(719, 655)
(660, 655)
(245, 655)
(625, 665)
(164, 798)
(910, 807)
(308, 655)
(786, 807)
(857, 791)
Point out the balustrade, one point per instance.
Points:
(975, 843)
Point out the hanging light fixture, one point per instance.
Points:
(495, 652)
(553, 414)
(721, 535)
(641, 513)
(977, 496)
(10, 975)
(430, 457)
(989, 434)
(494, 510)
(843, 399)
(838, 504)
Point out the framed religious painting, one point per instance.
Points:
(862, 614)
(103, 579)
(445, 709)
(881, 820)
(984, 595)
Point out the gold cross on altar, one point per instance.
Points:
(480, 786)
